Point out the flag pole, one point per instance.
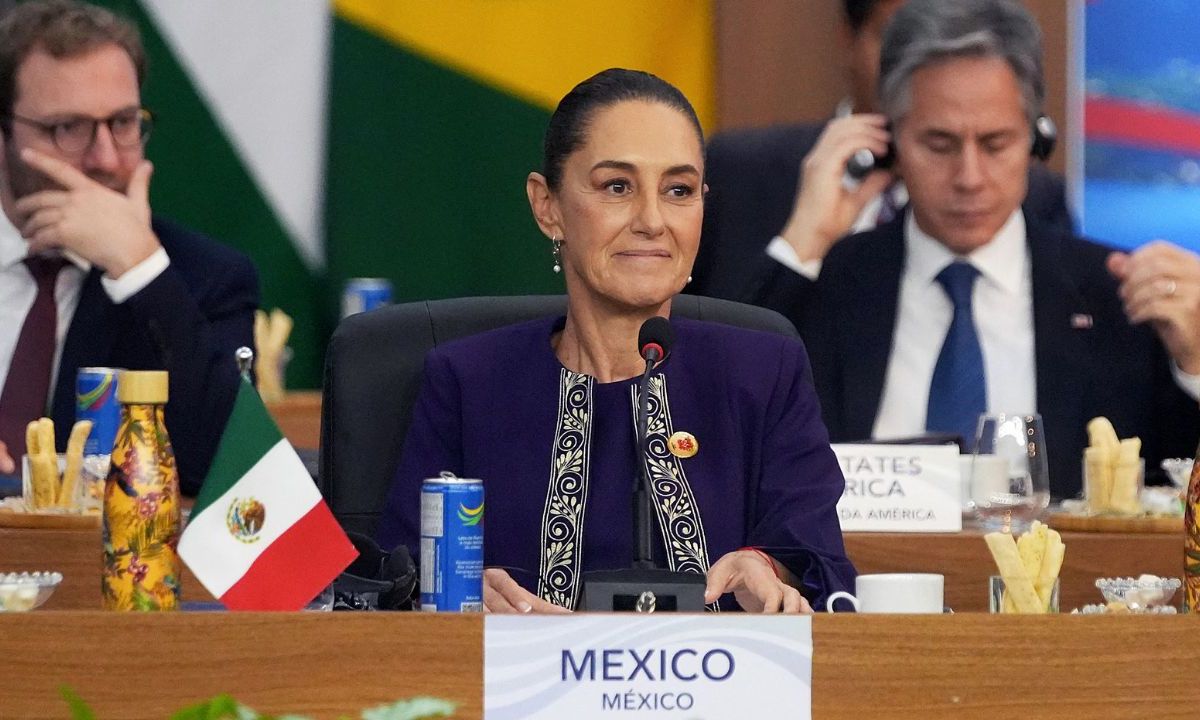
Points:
(245, 361)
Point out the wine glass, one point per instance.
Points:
(1010, 485)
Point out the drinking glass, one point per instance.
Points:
(1010, 485)
(996, 595)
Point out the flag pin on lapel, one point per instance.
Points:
(1081, 321)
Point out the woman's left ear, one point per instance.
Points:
(704, 189)
(541, 203)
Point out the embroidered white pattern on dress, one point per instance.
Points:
(674, 502)
(566, 495)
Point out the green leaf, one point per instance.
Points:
(222, 707)
(415, 709)
(79, 708)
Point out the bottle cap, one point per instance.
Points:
(142, 387)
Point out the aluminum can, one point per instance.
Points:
(96, 400)
(363, 294)
(452, 544)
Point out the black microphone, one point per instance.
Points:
(655, 339)
(654, 344)
(644, 587)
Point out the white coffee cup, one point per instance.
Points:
(894, 593)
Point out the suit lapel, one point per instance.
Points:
(90, 340)
(868, 326)
(1062, 328)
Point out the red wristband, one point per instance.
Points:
(765, 557)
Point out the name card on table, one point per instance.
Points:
(900, 488)
(627, 665)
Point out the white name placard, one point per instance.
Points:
(900, 488)
(663, 665)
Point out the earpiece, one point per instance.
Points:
(1045, 135)
(863, 161)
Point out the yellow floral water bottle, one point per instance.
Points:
(141, 502)
(1191, 540)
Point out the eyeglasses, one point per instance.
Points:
(129, 128)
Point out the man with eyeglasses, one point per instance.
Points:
(87, 276)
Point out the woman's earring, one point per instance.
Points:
(556, 249)
(689, 280)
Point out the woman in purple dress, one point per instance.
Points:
(744, 482)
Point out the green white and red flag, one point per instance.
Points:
(260, 536)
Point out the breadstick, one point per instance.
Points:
(1052, 562)
(1017, 583)
(70, 480)
(43, 462)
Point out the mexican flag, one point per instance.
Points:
(260, 536)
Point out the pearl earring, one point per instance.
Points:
(556, 250)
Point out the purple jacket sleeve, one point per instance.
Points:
(793, 512)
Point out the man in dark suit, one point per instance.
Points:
(776, 200)
(966, 302)
(754, 175)
(87, 277)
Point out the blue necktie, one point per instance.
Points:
(957, 394)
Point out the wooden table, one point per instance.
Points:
(135, 666)
(962, 557)
(77, 555)
(298, 416)
(965, 561)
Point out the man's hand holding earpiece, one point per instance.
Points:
(825, 209)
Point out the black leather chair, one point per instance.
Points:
(373, 370)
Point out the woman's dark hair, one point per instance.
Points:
(567, 131)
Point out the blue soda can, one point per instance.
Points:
(452, 544)
(363, 294)
(96, 400)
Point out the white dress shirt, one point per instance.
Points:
(1002, 301)
(781, 251)
(18, 290)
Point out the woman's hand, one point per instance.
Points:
(751, 577)
(502, 594)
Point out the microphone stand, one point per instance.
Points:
(643, 505)
(644, 587)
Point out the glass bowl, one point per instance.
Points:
(1140, 593)
(1106, 610)
(26, 591)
